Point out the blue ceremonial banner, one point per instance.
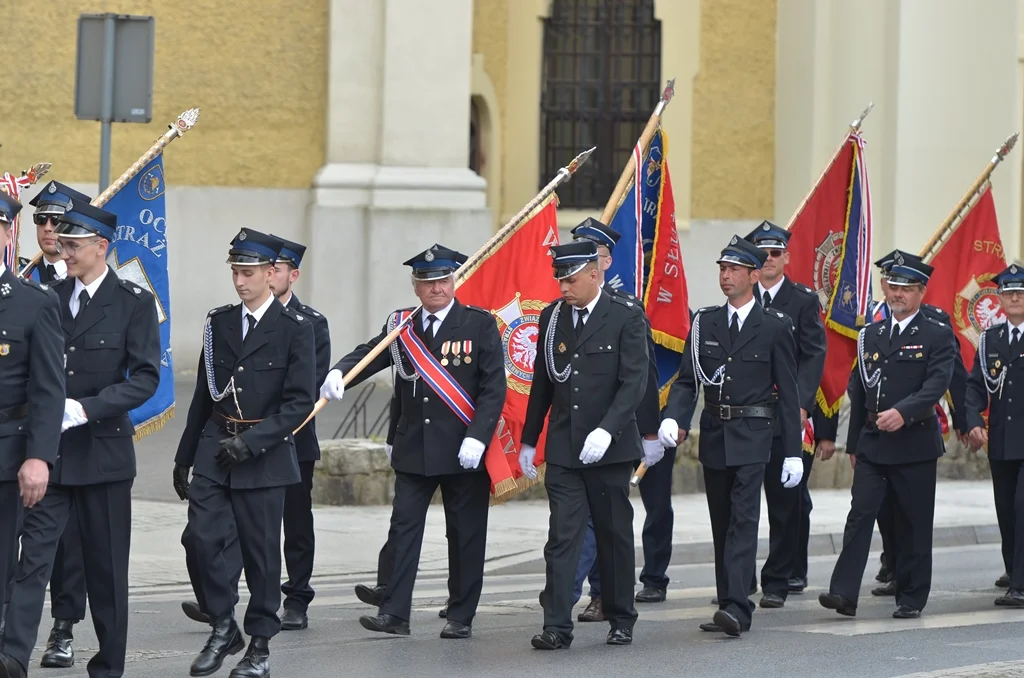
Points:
(626, 272)
(139, 254)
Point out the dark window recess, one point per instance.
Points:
(601, 79)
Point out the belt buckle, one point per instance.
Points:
(725, 412)
(231, 426)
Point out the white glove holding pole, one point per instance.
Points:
(387, 451)
(792, 471)
(653, 452)
(527, 455)
(74, 415)
(668, 433)
(471, 452)
(334, 386)
(595, 446)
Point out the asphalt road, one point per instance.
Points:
(355, 416)
(960, 628)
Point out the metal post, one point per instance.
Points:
(108, 100)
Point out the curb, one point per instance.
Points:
(827, 544)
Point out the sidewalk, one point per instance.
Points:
(349, 538)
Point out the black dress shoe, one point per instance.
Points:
(193, 612)
(886, 589)
(371, 596)
(906, 612)
(649, 594)
(385, 623)
(620, 637)
(841, 604)
(59, 654)
(443, 612)
(711, 627)
(1003, 582)
(549, 640)
(729, 624)
(797, 584)
(1012, 598)
(771, 601)
(225, 639)
(256, 662)
(453, 629)
(10, 668)
(293, 620)
(883, 574)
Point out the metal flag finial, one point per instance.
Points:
(1008, 145)
(855, 125)
(186, 121)
(579, 160)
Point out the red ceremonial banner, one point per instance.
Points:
(667, 301)
(962, 284)
(515, 284)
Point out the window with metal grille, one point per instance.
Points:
(600, 81)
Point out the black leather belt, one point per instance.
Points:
(13, 413)
(726, 412)
(231, 425)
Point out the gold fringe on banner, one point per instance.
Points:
(520, 485)
(153, 425)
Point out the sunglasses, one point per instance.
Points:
(41, 219)
(775, 254)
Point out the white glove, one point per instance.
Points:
(74, 415)
(653, 452)
(334, 386)
(668, 433)
(595, 446)
(792, 471)
(526, 456)
(471, 452)
(387, 451)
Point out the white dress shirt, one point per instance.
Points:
(589, 307)
(257, 314)
(60, 268)
(90, 288)
(743, 311)
(772, 291)
(902, 323)
(440, 315)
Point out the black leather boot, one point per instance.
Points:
(256, 662)
(225, 639)
(59, 654)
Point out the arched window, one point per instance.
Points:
(475, 141)
(601, 81)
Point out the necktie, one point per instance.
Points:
(734, 327)
(429, 330)
(250, 322)
(895, 331)
(1016, 337)
(83, 301)
(581, 316)
(766, 300)
(51, 271)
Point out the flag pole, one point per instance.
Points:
(956, 217)
(645, 141)
(184, 123)
(854, 128)
(471, 264)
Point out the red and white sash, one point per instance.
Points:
(432, 372)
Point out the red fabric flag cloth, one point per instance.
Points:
(962, 284)
(515, 284)
(817, 249)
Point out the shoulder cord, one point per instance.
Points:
(549, 348)
(716, 379)
(994, 385)
(211, 379)
(873, 380)
(396, 354)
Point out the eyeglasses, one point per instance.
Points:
(41, 219)
(72, 248)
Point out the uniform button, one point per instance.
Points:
(885, 378)
(575, 407)
(71, 373)
(575, 355)
(575, 371)
(728, 378)
(426, 421)
(21, 428)
(728, 360)
(1009, 418)
(886, 362)
(102, 342)
(728, 398)
(238, 390)
(426, 399)
(71, 348)
(118, 428)
(241, 369)
(263, 451)
(1009, 383)
(576, 389)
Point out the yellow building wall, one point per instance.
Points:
(733, 166)
(256, 69)
(491, 40)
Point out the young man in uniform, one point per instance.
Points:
(255, 386)
(744, 357)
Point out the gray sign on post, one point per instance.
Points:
(114, 74)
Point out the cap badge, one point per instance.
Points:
(899, 259)
(1013, 269)
(733, 241)
(429, 256)
(52, 188)
(242, 235)
(766, 227)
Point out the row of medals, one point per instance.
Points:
(456, 348)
